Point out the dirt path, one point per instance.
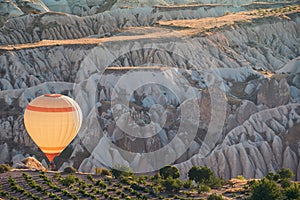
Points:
(165, 29)
(86, 41)
(204, 25)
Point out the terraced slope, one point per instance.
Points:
(51, 185)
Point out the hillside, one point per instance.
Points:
(24, 184)
(88, 186)
(211, 84)
(14, 8)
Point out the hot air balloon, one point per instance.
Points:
(52, 121)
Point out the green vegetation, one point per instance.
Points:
(282, 10)
(292, 192)
(69, 180)
(265, 189)
(169, 171)
(200, 174)
(272, 176)
(164, 185)
(275, 186)
(4, 168)
(203, 188)
(172, 185)
(204, 175)
(121, 171)
(285, 183)
(188, 184)
(103, 172)
(215, 197)
(240, 177)
(285, 174)
(70, 170)
(18, 189)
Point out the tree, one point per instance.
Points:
(285, 183)
(201, 174)
(292, 192)
(265, 189)
(169, 171)
(285, 173)
(120, 171)
(272, 176)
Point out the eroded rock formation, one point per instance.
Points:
(225, 74)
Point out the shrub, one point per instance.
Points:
(201, 174)
(142, 180)
(12, 181)
(188, 184)
(4, 194)
(272, 176)
(203, 188)
(125, 180)
(101, 184)
(215, 197)
(4, 168)
(157, 179)
(70, 170)
(90, 177)
(172, 185)
(285, 183)
(155, 190)
(39, 188)
(265, 189)
(285, 173)
(216, 182)
(280, 175)
(135, 186)
(69, 180)
(111, 189)
(240, 177)
(13, 198)
(169, 171)
(119, 171)
(108, 181)
(292, 192)
(102, 171)
(123, 195)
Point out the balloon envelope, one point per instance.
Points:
(52, 121)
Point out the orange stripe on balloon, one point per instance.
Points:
(51, 156)
(45, 109)
(53, 148)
